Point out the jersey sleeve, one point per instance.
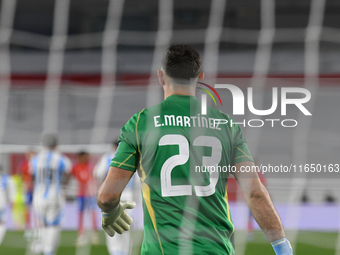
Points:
(240, 149)
(127, 154)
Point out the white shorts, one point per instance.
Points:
(49, 210)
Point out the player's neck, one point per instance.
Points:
(184, 90)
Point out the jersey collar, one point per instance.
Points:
(184, 97)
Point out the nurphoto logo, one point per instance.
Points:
(239, 104)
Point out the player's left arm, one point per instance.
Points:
(66, 171)
(262, 208)
(256, 195)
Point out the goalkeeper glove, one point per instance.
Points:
(117, 220)
(282, 247)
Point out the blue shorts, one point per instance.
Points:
(86, 203)
(29, 198)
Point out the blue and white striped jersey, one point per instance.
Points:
(47, 168)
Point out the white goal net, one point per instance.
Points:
(88, 66)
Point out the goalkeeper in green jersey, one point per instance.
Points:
(185, 210)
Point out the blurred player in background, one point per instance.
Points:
(23, 170)
(83, 172)
(185, 212)
(120, 244)
(4, 199)
(49, 168)
(19, 201)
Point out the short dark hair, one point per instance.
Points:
(82, 153)
(181, 62)
(50, 140)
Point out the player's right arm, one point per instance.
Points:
(256, 195)
(259, 202)
(262, 208)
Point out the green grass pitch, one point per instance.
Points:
(309, 243)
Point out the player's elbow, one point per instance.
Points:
(258, 193)
(107, 200)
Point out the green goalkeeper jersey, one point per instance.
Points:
(183, 159)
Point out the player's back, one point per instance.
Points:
(184, 205)
(47, 167)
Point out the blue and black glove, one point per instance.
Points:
(282, 247)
